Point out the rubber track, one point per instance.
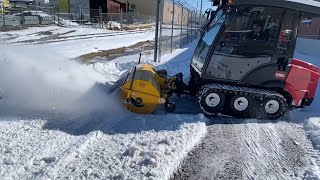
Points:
(255, 93)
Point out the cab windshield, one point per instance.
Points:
(207, 40)
(253, 32)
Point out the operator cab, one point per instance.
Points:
(249, 39)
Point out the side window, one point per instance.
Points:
(253, 32)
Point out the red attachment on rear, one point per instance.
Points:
(302, 81)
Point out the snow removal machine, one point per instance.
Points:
(243, 65)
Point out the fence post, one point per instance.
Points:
(100, 17)
(58, 16)
(81, 21)
(172, 22)
(160, 38)
(4, 19)
(22, 16)
(121, 20)
(188, 27)
(191, 26)
(127, 10)
(69, 9)
(200, 15)
(181, 27)
(157, 32)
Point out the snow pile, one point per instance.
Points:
(310, 115)
(136, 147)
(113, 25)
(64, 22)
(313, 173)
(79, 131)
(174, 63)
(312, 127)
(154, 154)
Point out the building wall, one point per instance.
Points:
(143, 7)
(311, 30)
(4, 2)
(63, 6)
(114, 6)
(180, 14)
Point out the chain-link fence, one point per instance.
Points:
(33, 15)
(26, 15)
(179, 24)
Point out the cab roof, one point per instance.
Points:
(301, 5)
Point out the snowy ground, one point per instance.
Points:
(253, 149)
(57, 122)
(51, 34)
(39, 32)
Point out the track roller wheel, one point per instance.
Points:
(273, 107)
(212, 101)
(240, 105)
(170, 106)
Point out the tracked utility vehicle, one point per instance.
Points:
(243, 65)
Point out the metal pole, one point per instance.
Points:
(36, 7)
(191, 28)
(181, 27)
(58, 16)
(100, 17)
(157, 32)
(81, 21)
(200, 13)
(195, 16)
(121, 20)
(70, 15)
(127, 10)
(4, 20)
(173, 4)
(188, 27)
(193, 24)
(161, 24)
(23, 16)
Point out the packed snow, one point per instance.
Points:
(58, 122)
(75, 47)
(310, 115)
(33, 33)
